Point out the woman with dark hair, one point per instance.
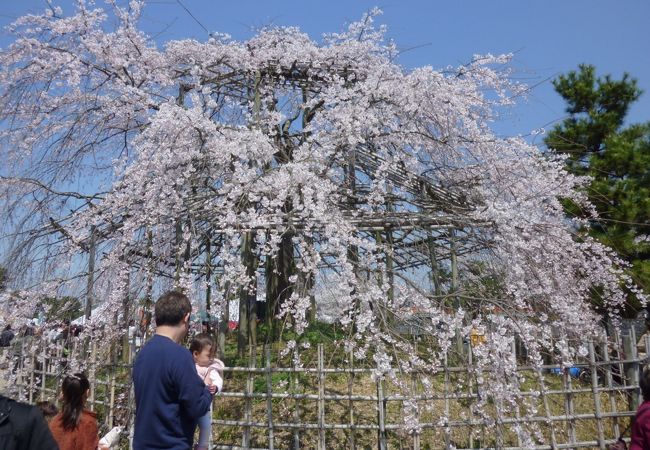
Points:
(75, 428)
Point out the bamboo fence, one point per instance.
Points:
(264, 406)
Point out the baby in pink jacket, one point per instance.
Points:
(210, 369)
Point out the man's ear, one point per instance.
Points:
(187, 317)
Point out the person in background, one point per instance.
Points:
(169, 396)
(210, 370)
(5, 341)
(75, 428)
(22, 427)
(6, 336)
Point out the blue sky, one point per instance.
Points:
(547, 37)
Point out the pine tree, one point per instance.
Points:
(617, 158)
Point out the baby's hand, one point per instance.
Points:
(212, 388)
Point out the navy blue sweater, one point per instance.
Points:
(169, 396)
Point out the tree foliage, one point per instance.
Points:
(616, 157)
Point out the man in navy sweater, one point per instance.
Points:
(169, 395)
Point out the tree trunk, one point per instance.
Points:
(247, 330)
(223, 322)
(278, 288)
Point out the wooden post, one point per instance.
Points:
(547, 408)
(473, 390)
(246, 435)
(446, 394)
(569, 406)
(631, 369)
(352, 444)
(618, 341)
(414, 393)
(596, 394)
(58, 352)
(499, 423)
(610, 383)
(296, 410)
(21, 370)
(321, 400)
(131, 416)
(513, 349)
(43, 368)
(111, 410)
(93, 371)
(31, 378)
(269, 397)
(381, 415)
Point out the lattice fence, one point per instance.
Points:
(315, 405)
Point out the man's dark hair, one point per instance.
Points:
(644, 383)
(171, 307)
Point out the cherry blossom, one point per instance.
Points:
(386, 186)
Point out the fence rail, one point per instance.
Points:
(266, 406)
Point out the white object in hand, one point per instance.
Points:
(111, 437)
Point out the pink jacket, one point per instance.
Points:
(641, 428)
(212, 374)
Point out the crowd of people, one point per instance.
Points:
(58, 331)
